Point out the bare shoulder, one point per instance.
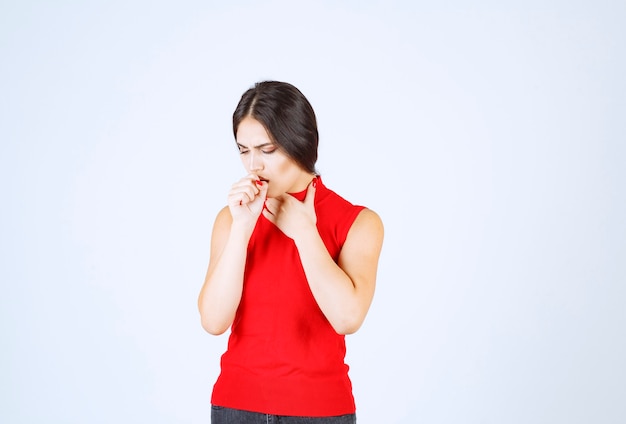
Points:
(361, 251)
(221, 228)
(367, 223)
(223, 217)
(366, 233)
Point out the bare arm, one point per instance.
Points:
(343, 290)
(221, 292)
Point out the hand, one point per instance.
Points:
(246, 199)
(291, 215)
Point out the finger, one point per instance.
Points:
(309, 199)
(272, 206)
(248, 179)
(245, 185)
(262, 187)
(268, 215)
(240, 197)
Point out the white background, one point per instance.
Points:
(489, 137)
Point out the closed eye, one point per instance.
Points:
(266, 149)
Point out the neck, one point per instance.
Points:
(302, 182)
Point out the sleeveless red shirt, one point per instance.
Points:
(283, 356)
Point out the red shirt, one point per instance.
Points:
(283, 356)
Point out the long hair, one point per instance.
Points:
(287, 116)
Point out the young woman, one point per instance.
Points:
(292, 270)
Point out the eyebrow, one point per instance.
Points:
(260, 146)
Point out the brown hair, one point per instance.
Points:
(287, 116)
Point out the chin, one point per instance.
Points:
(274, 193)
(271, 193)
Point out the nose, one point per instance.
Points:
(256, 162)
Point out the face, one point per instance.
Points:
(263, 158)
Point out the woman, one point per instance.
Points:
(292, 270)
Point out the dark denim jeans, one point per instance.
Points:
(221, 415)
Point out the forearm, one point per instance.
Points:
(334, 291)
(221, 292)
